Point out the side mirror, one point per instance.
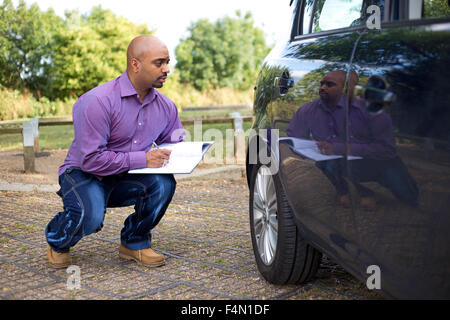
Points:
(284, 83)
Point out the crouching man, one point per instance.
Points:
(115, 125)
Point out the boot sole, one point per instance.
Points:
(153, 265)
(58, 266)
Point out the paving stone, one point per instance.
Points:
(205, 237)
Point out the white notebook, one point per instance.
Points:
(185, 156)
(309, 149)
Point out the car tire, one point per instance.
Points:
(282, 255)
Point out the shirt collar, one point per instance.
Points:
(127, 89)
(355, 103)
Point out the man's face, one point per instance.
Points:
(331, 87)
(155, 67)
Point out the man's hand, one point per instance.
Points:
(325, 147)
(157, 158)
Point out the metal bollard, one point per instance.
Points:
(28, 147)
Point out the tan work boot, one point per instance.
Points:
(58, 260)
(368, 203)
(147, 257)
(345, 201)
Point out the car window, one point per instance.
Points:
(336, 14)
(419, 9)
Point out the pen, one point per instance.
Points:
(155, 146)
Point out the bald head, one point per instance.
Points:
(340, 75)
(141, 46)
(147, 63)
(333, 84)
(337, 75)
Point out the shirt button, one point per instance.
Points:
(140, 123)
(135, 141)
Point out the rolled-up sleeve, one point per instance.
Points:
(92, 128)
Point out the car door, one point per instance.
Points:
(318, 43)
(407, 231)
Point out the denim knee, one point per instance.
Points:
(93, 217)
(93, 223)
(165, 186)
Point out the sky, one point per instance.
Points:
(171, 18)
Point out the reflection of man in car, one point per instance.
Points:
(369, 136)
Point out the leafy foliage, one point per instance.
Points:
(226, 53)
(436, 8)
(47, 61)
(58, 57)
(26, 36)
(91, 51)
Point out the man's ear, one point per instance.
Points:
(135, 65)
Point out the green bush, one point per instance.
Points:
(16, 105)
(185, 95)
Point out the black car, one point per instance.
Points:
(378, 201)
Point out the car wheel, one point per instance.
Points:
(281, 253)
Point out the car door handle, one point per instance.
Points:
(375, 94)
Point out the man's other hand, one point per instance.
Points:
(325, 147)
(157, 158)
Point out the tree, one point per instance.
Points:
(437, 8)
(58, 58)
(26, 35)
(224, 54)
(90, 51)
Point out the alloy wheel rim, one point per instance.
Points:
(265, 221)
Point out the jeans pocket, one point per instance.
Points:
(76, 175)
(72, 178)
(61, 180)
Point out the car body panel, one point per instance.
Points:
(413, 243)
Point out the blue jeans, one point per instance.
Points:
(391, 174)
(85, 200)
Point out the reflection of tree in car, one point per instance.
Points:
(264, 95)
(436, 8)
(369, 136)
(413, 112)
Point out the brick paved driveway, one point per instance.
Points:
(204, 235)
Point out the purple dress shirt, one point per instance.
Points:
(370, 136)
(113, 129)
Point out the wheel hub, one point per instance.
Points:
(265, 224)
